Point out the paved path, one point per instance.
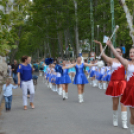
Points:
(52, 115)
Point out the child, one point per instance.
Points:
(7, 88)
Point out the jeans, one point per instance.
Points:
(15, 78)
(8, 102)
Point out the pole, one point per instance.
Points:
(92, 25)
(113, 22)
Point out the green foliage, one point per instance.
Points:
(49, 18)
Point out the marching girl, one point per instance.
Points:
(72, 71)
(104, 79)
(25, 78)
(86, 69)
(80, 79)
(48, 75)
(52, 78)
(45, 71)
(116, 86)
(58, 78)
(92, 73)
(128, 96)
(65, 80)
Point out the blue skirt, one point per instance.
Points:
(65, 79)
(58, 80)
(108, 78)
(53, 79)
(80, 79)
(47, 76)
(92, 73)
(104, 78)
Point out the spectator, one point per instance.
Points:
(14, 70)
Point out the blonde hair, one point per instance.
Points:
(9, 80)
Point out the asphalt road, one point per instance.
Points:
(52, 115)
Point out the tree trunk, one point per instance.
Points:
(76, 29)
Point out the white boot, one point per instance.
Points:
(115, 118)
(124, 119)
(132, 129)
(80, 98)
(88, 77)
(53, 88)
(72, 79)
(104, 85)
(91, 82)
(60, 91)
(56, 88)
(100, 85)
(94, 83)
(48, 85)
(64, 95)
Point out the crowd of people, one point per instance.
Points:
(116, 77)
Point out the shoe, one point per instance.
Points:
(115, 118)
(32, 105)
(124, 119)
(25, 107)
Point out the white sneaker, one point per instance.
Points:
(115, 118)
(124, 119)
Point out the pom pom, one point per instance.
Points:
(48, 61)
(59, 69)
(100, 64)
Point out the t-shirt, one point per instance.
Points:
(25, 72)
(15, 67)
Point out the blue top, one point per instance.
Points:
(65, 79)
(25, 72)
(8, 89)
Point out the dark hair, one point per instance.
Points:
(23, 58)
(119, 48)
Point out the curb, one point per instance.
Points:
(1, 98)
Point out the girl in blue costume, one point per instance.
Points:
(58, 81)
(65, 80)
(53, 78)
(104, 79)
(72, 71)
(86, 69)
(80, 79)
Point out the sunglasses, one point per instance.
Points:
(119, 51)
